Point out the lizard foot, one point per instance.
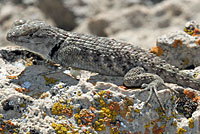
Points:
(152, 87)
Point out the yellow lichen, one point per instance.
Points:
(29, 62)
(62, 109)
(191, 123)
(79, 93)
(1, 116)
(114, 130)
(181, 131)
(186, 61)
(101, 93)
(175, 123)
(23, 105)
(77, 116)
(137, 110)
(147, 125)
(57, 108)
(102, 102)
(50, 80)
(61, 128)
(99, 126)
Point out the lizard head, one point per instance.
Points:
(31, 34)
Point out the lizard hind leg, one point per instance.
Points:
(137, 77)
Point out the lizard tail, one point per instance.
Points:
(172, 75)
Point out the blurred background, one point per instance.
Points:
(137, 21)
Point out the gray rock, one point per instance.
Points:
(180, 49)
(36, 108)
(56, 10)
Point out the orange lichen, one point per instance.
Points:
(12, 77)
(197, 42)
(15, 76)
(84, 117)
(21, 90)
(92, 108)
(67, 111)
(127, 109)
(107, 121)
(147, 131)
(158, 130)
(157, 51)
(123, 87)
(114, 106)
(196, 32)
(192, 94)
(7, 126)
(177, 42)
(9, 122)
(108, 93)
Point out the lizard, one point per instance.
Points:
(102, 55)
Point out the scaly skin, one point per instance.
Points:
(97, 54)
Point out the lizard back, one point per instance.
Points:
(98, 54)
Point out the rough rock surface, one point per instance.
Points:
(180, 48)
(35, 99)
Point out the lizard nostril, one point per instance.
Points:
(19, 22)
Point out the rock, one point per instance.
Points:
(135, 23)
(181, 49)
(110, 23)
(56, 10)
(32, 102)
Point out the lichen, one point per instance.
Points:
(62, 109)
(191, 123)
(50, 80)
(157, 51)
(62, 128)
(181, 131)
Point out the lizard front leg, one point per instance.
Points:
(137, 77)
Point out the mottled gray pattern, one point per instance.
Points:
(98, 54)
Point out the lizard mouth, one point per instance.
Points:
(15, 39)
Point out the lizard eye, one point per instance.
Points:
(19, 22)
